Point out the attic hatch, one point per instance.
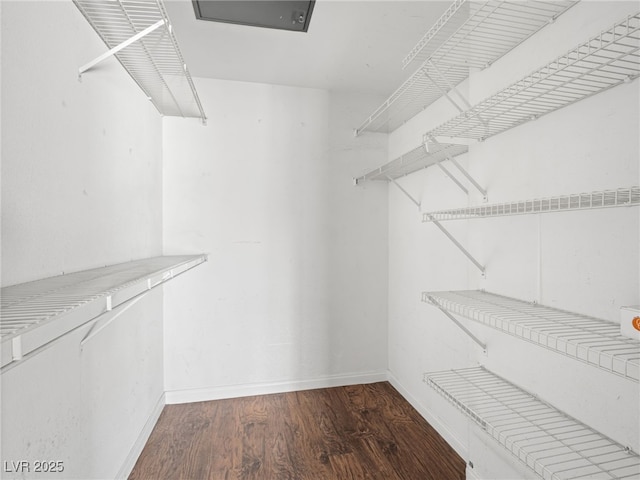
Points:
(291, 15)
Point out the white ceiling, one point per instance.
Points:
(350, 46)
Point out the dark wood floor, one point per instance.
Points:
(355, 432)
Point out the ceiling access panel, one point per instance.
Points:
(293, 15)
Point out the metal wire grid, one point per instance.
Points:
(579, 201)
(27, 306)
(478, 33)
(468, 34)
(413, 161)
(607, 60)
(419, 91)
(591, 340)
(444, 28)
(154, 62)
(550, 442)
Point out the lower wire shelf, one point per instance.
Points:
(553, 444)
(36, 313)
(588, 339)
(622, 197)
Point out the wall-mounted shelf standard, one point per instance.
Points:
(35, 313)
(591, 340)
(548, 441)
(609, 59)
(468, 34)
(139, 34)
(621, 197)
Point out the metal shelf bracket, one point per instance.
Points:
(402, 189)
(435, 303)
(425, 145)
(456, 243)
(452, 88)
(119, 47)
(460, 168)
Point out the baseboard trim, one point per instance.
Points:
(234, 391)
(431, 418)
(471, 474)
(141, 441)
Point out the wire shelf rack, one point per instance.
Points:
(468, 34)
(35, 313)
(580, 201)
(154, 61)
(551, 443)
(604, 61)
(412, 161)
(590, 340)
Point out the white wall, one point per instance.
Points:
(87, 405)
(81, 187)
(580, 261)
(81, 160)
(294, 293)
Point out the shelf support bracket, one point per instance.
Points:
(444, 92)
(463, 171)
(451, 88)
(403, 191)
(447, 172)
(456, 243)
(117, 48)
(455, 180)
(435, 303)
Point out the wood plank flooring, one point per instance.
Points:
(343, 433)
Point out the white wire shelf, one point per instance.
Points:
(590, 340)
(468, 34)
(35, 313)
(580, 201)
(553, 444)
(412, 161)
(154, 61)
(603, 62)
(606, 60)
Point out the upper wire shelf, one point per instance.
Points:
(606, 60)
(591, 340)
(416, 159)
(553, 444)
(148, 50)
(35, 313)
(468, 34)
(580, 201)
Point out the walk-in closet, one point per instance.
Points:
(330, 239)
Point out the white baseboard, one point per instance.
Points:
(136, 449)
(470, 474)
(432, 419)
(234, 391)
